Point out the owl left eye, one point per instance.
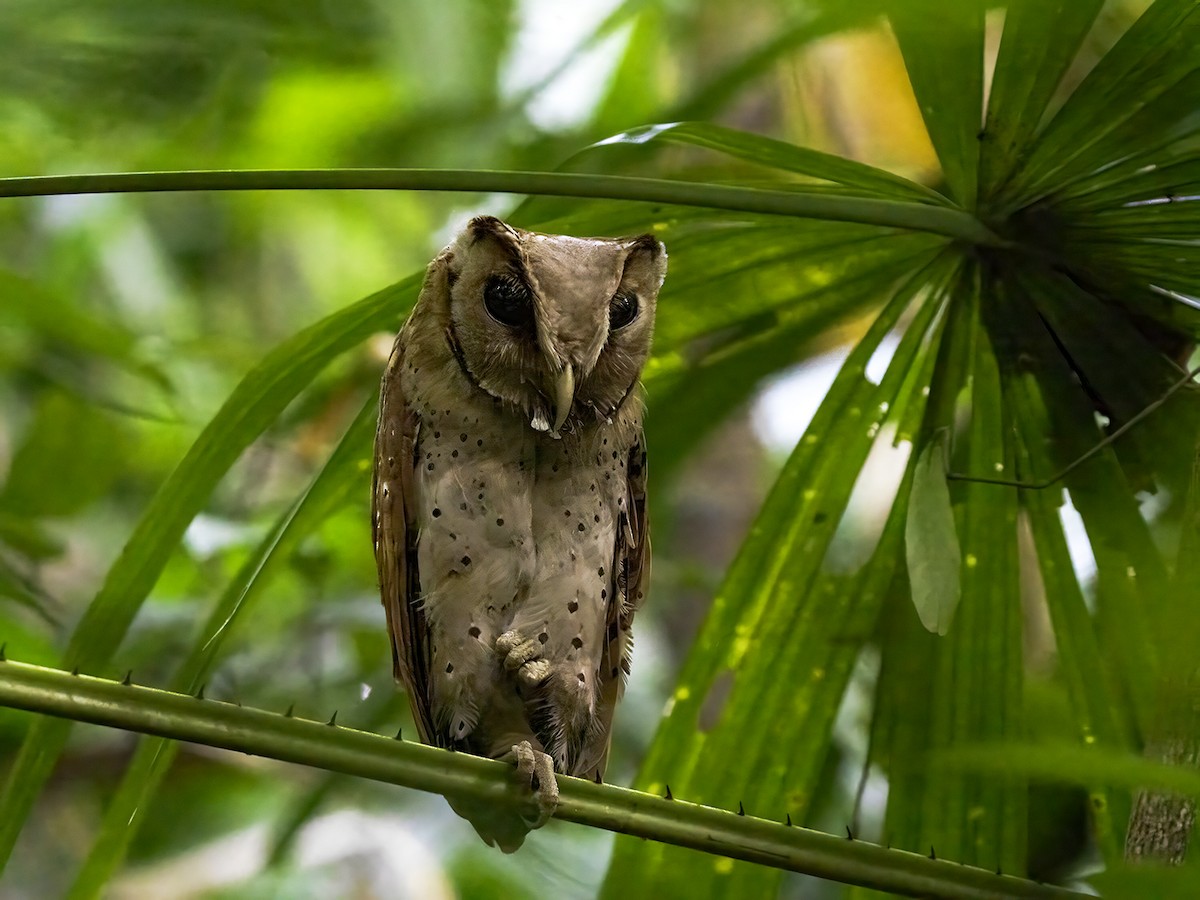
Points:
(622, 309)
(508, 301)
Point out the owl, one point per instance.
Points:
(509, 501)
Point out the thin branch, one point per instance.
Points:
(340, 749)
(1188, 378)
(954, 223)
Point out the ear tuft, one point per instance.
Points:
(489, 226)
(647, 255)
(647, 243)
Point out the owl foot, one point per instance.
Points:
(537, 770)
(507, 824)
(524, 657)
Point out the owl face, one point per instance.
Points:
(557, 326)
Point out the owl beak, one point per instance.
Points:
(564, 397)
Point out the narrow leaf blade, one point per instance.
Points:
(781, 155)
(255, 403)
(1040, 40)
(942, 44)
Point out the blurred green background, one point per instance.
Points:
(126, 320)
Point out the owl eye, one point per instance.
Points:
(507, 300)
(622, 309)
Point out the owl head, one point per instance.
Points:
(559, 327)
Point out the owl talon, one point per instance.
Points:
(537, 770)
(516, 650)
(534, 673)
(524, 657)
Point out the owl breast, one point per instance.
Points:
(517, 533)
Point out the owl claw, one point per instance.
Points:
(523, 657)
(516, 649)
(534, 672)
(537, 770)
(506, 825)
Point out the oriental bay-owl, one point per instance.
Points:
(509, 504)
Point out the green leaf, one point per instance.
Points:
(1131, 572)
(745, 280)
(709, 746)
(250, 409)
(151, 761)
(1071, 764)
(1132, 880)
(1100, 706)
(1040, 39)
(690, 396)
(931, 543)
(987, 646)
(936, 692)
(1100, 713)
(1142, 189)
(1178, 623)
(712, 95)
(901, 724)
(618, 18)
(775, 154)
(65, 326)
(17, 586)
(1154, 56)
(69, 457)
(942, 44)
(29, 537)
(631, 94)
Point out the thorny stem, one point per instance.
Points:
(340, 749)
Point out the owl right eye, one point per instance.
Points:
(508, 301)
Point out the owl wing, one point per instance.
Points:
(631, 575)
(394, 531)
(633, 541)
